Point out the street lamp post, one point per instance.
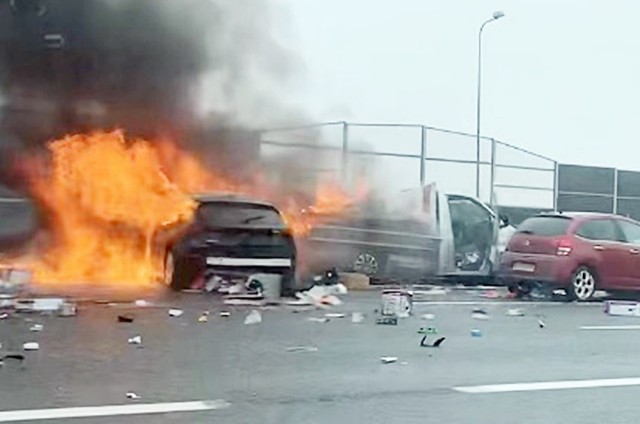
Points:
(496, 16)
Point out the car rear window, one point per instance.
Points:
(547, 226)
(235, 214)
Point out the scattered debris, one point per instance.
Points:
(36, 328)
(428, 317)
(225, 314)
(622, 308)
(4, 315)
(437, 343)
(387, 321)
(479, 314)
(175, 312)
(316, 319)
(541, 323)
(322, 295)
(398, 303)
(476, 333)
(204, 317)
(559, 292)
(388, 359)
(135, 340)
(428, 330)
(490, 294)
(141, 303)
(16, 356)
(28, 346)
(132, 395)
(68, 309)
(334, 315)
(302, 349)
(125, 318)
(254, 317)
(46, 304)
(357, 317)
(243, 302)
(514, 312)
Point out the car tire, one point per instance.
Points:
(179, 273)
(583, 284)
(366, 263)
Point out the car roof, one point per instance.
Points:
(580, 215)
(230, 198)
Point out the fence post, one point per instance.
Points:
(615, 190)
(344, 174)
(492, 175)
(423, 155)
(555, 186)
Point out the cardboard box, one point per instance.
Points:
(622, 308)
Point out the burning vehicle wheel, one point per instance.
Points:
(583, 284)
(178, 273)
(366, 263)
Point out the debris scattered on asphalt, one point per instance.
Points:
(437, 343)
(16, 356)
(428, 317)
(302, 349)
(428, 330)
(4, 315)
(28, 346)
(622, 308)
(225, 314)
(141, 303)
(45, 304)
(254, 317)
(175, 312)
(135, 340)
(490, 294)
(68, 309)
(357, 317)
(476, 333)
(541, 323)
(132, 395)
(204, 317)
(243, 302)
(479, 314)
(388, 359)
(559, 292)
(36, 328)
(334, 315)
(316, 319)
(398, 303)
(387, 321)
(125, 318)
(323, 295)
(514, 312)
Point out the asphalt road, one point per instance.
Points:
(86, 361)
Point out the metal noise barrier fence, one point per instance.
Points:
(402, 156)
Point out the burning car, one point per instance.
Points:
(231, 237)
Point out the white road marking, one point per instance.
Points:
(223, 261)
(549, 385)
(111, 410)
(610, 327)
(499, 303)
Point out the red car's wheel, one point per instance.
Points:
(583, 284)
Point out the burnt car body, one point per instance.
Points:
(232, 238)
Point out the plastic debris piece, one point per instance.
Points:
(31, 346)
(334, 315)
(68, 309)
(479, 314)
(316, 319)
(387, 321)
(397, 303)
(135, 340)
(514, 312)
(437, 343)
(141, 303)
(559, 292)
(225, 314)
(204, 317)
(125, 318)
(175, 312)
(476, 333)
(132, 395)
(428, 330)
(428, 317)
(4, 316)
(254, 317)
(16, 356)
(388, 359)
(302, 349)
(36, 328)
(541, 323)
(357, 317)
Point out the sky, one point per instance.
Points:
(560, 78)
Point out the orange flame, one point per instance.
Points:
(108, 199)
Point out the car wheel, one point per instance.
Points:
(366, 263)
(583, 284)
(178, 273)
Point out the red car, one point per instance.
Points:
(579, 252)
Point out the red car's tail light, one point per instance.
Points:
(564, 246)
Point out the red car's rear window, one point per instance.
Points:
(546, 226)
